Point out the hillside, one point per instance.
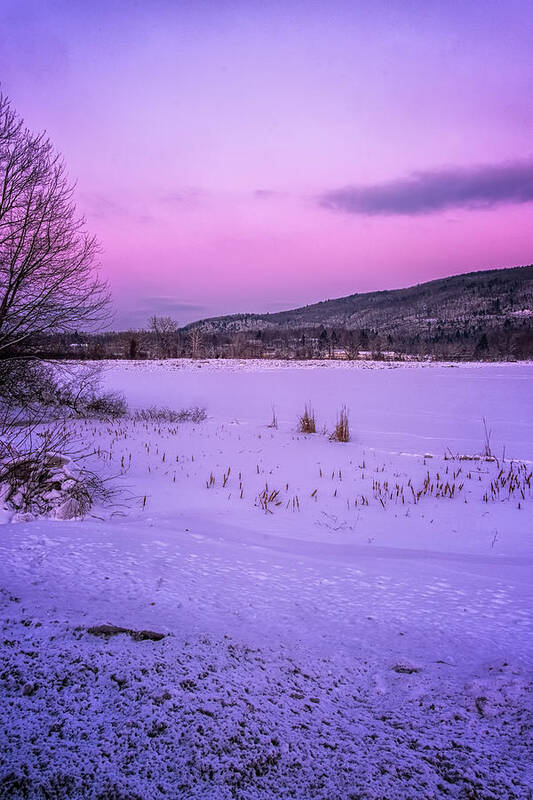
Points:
(487, 299)
(480, 315)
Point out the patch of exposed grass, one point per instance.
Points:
(342, 428)
(307, 423)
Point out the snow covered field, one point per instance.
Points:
(341, 620)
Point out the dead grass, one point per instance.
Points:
(307, 423)
(268, 500)
(342, 428)
(487, 433)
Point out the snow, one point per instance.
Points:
(347, 644)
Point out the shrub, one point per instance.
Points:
(110, 405)
(42, 480)
(342, 428)
(156, 414)
(56, 392)
(307, 421)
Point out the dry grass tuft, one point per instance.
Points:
(268, 499)
(342, 428)
(487, 433)
(307, 421)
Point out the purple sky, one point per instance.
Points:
(248, 156)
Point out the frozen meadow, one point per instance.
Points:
(340, 620)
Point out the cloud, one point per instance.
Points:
(435, 190)
(267, 194)
(102, 207)
(166, 305)
(184, 198)
(135, 312)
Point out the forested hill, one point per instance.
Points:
(481, 316)
(486, 300)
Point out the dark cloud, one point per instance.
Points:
(435, 190)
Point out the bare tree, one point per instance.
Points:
(351, 347)
(165, 329)
(195, 342)
(49, 285)
(48, 278)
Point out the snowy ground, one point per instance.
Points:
(368, 637)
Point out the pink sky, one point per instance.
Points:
(204, 138)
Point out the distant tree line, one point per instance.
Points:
(468, 340)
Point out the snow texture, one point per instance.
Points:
(365, 633)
